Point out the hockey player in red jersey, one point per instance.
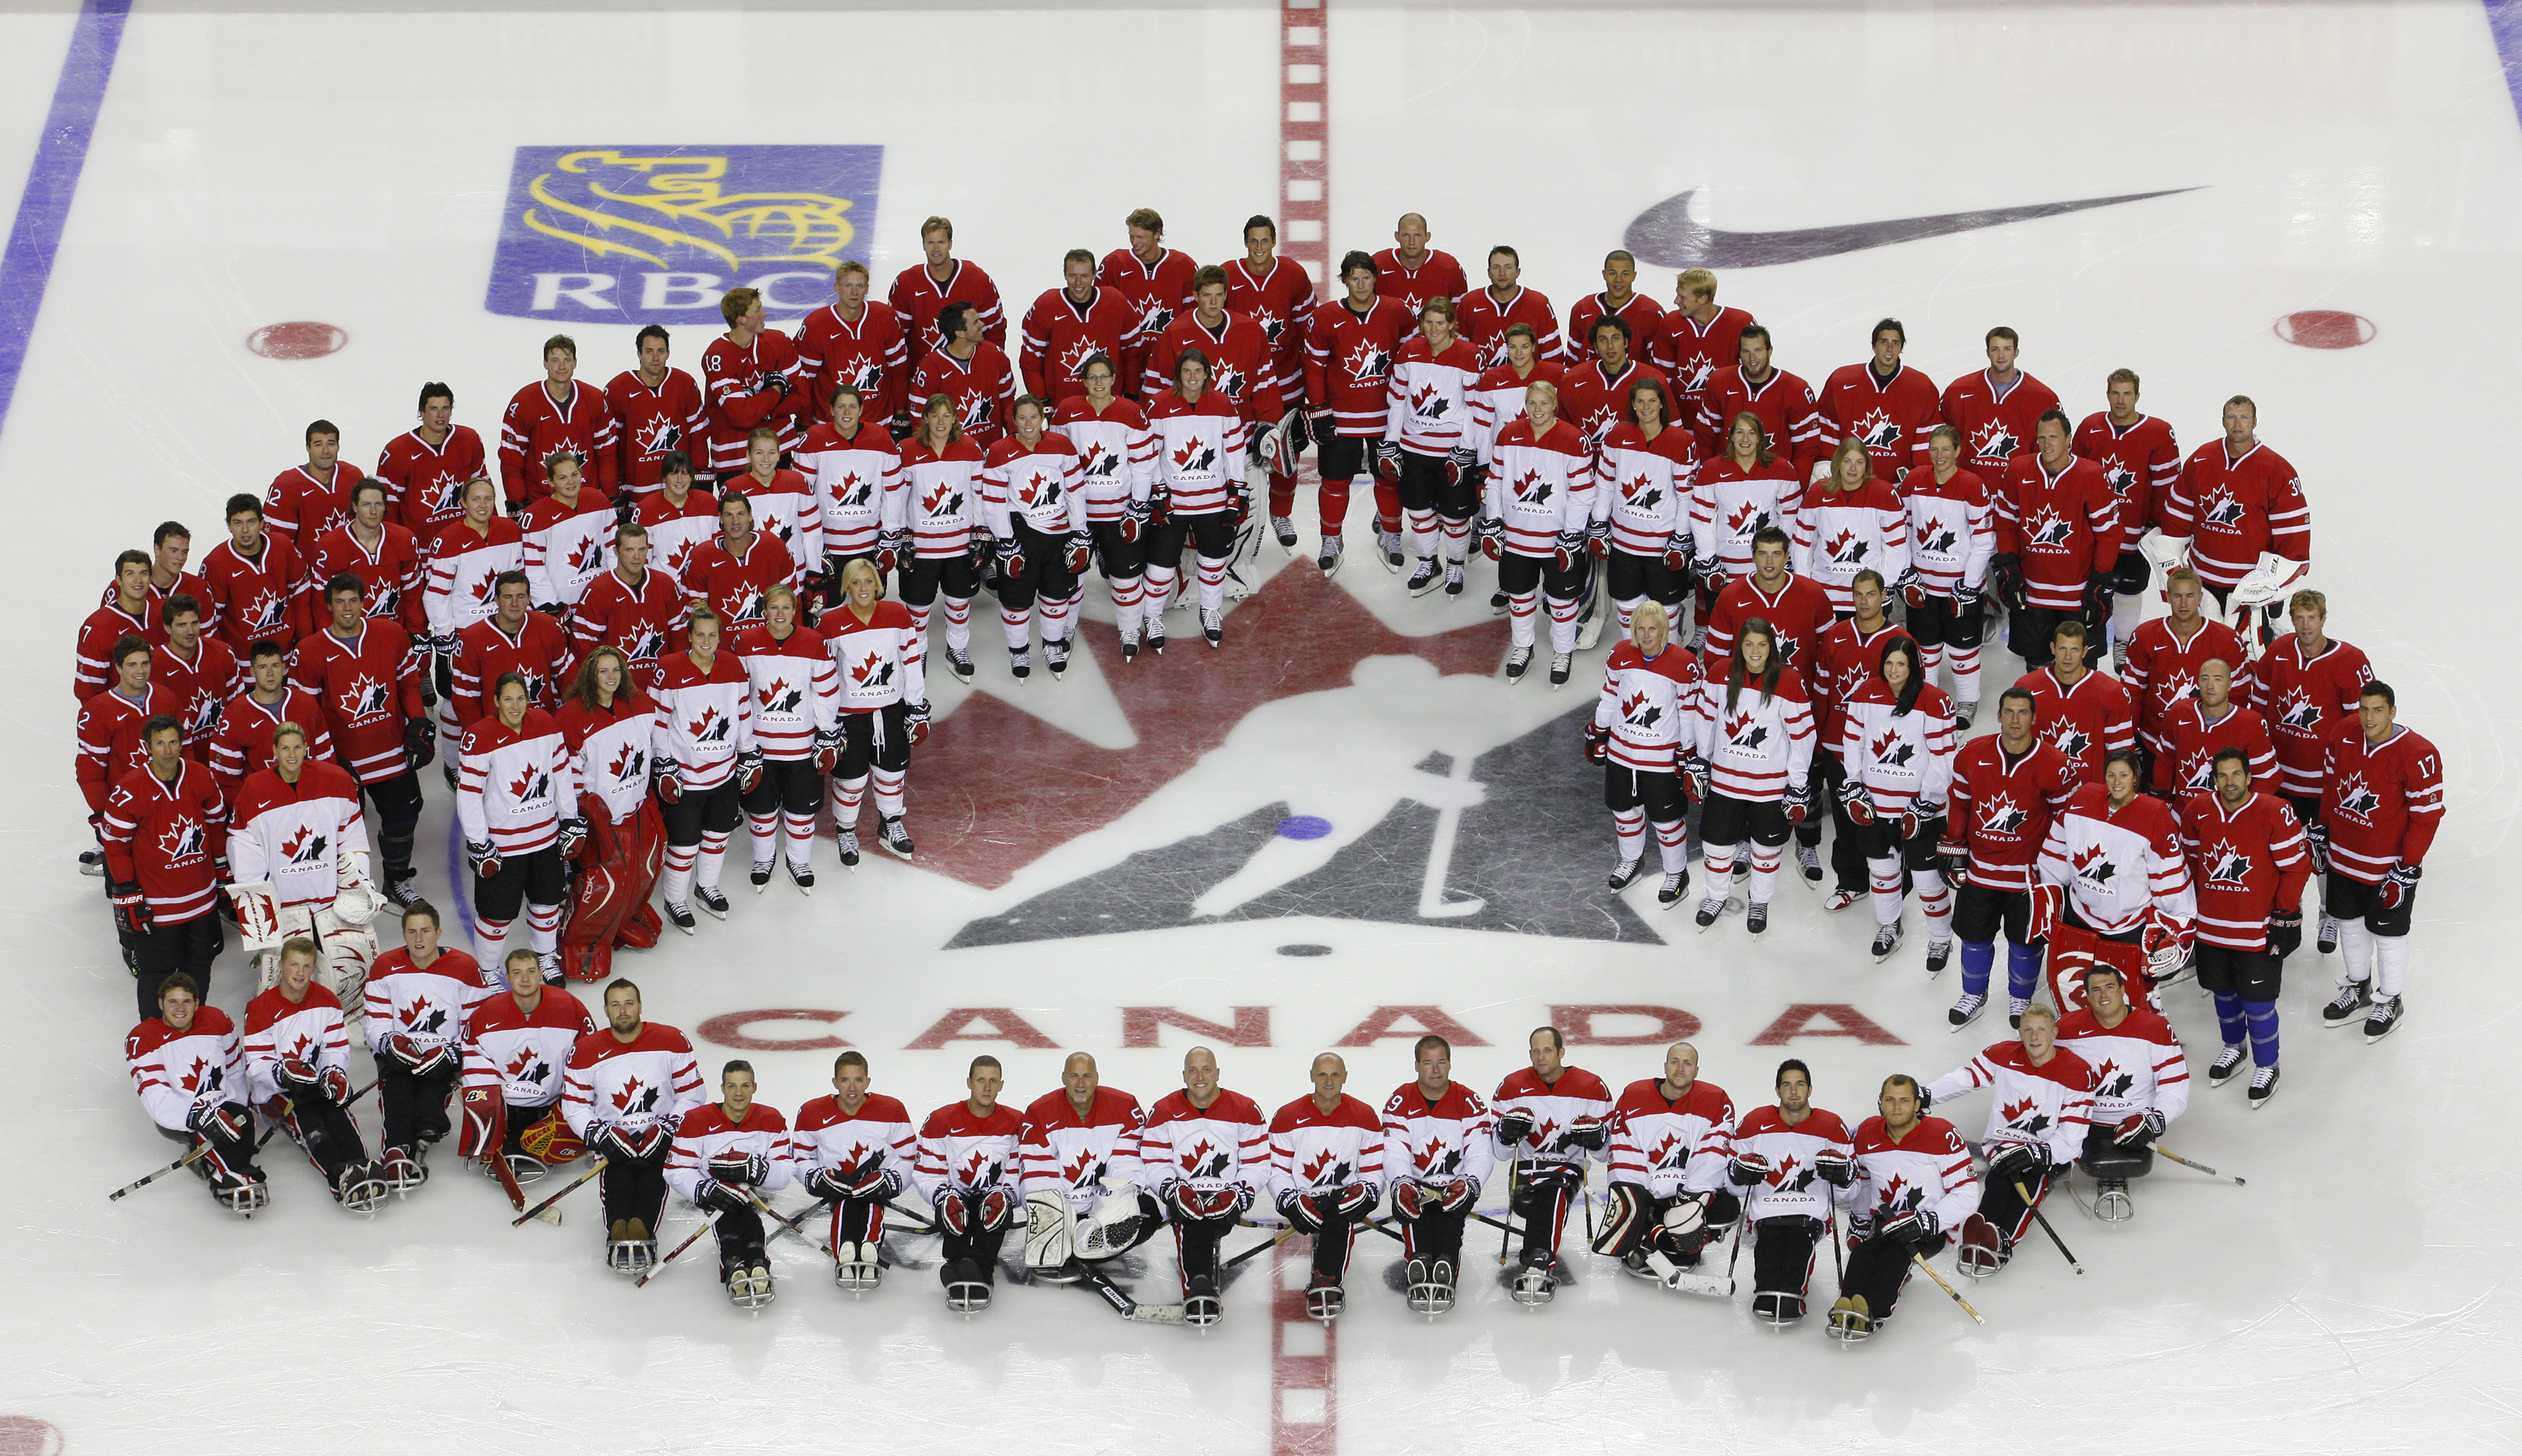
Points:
(1883, 404)
(2250, 862)
(630, 1085)
(304, 501)
(1796, 607)
(1413, 272)
(425, 469)
(2379, 812)
(1791, 1160)
(517, 1044)
(2040, 1104)
(1486, 313)
(730, 574)
(1913, 1189)
(1155, 278)
(1437, 1154)
(1428, 447)
(1668, 1197)
(656, 409)
(415, 1007)
(1083, 1200)
(367, 674)
(1349, 352)
(1996, 408)
(2204, 726)
(784, 507)
(971, 371)
(2140, 1084)
(241, 743)
(1841, 665)
(967, 1172)
(2140, 460)
(725, 1156)
(1783, 402)
(2113, 887)
(2087, 713)
(796, 699)
(1326, 1175)
(634, 608)
(1277, 294)
(1036, 510)
(1641, 727)
(2304, 682)
(1697, 337)
(556, 414)
(109, 737)
(1594, 394)
(189, 1070)
(515, 638)
(516, 804)
(1619, 298)
(1071, 324)
(854, 1149)
(133, 613)
(2006, 787)
(380, 553)
(748, 378)
(297, 1072)
(940, 279)
(255, 583)
(2057, 542)
(1540, 505)
(608, 727)
(160, 874)
(2159, 662)
(1205, 1152)
(1752, 767)
(1896, 746)
(855, 343)
(704, 758)
(170, 548)
(2236, 503)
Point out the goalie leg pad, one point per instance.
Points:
(1624, 1220)
(1050, 1230)
(484, 1128)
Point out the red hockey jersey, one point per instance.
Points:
(869, 354)
(427, 481)
(2300, 698)
(644, 618)
(732, 583)
(1643, 317)
(1995, 422)
(1280, 303)
(158, 835)
(2383, 802)
(300, 505)
(2162, 671)
(2086, 723)
(390, 572)
(1479, 317)
(1893, 418)
(536, 426)
(486, 651)
(1348, 363)
(2234, 508)
(2247, 865)
(918, 297)
(2139, 460)
(651, 420)
(1241, 364)
(370, 687)
(1061, 334)
(2062, 527)
(737, 395)
(983, 389)
(2000, 807)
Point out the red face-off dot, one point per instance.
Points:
(24, 1435)
(2325, 328)
(301, 340)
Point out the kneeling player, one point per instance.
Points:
(298, 1071)
(1668, 1195)
(2140, 1083)
(2040, 1101)
(628, 1086)
(854, 1149)
(968, 1162)
(416, 1003)
(516, 1044)
(190, 1075)
(1437, 1153)
(1550, 1119)
(1913, 1185)
(1326, 1176)
(1779, 1154)
(1207, 1151)
(1081, 1169)
(727, 1155)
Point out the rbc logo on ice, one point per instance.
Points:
(656, 234)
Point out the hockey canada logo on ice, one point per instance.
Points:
(656, 234)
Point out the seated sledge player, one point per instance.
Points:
(1913, 1186)
(2040, 1104)
(1550, 1120)
(517, 1046)
(1207, 1152)
(854, 1151)
(2140, 1083)
(1437, 1154)
(298, 1074)
(1081, 1168)
(727, 1155)
(1789, 1159)
(628, 1087)
(1670, 1138)
(1326, 1176)
(967, 1171)
(416, 1003)
(187, 1067)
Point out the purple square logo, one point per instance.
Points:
(656, 234)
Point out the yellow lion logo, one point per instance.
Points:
(662, 210)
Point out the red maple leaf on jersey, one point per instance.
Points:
(708, 726)
(587, 555)
(1317, 1166)
(426, 1018)
(864, 671)
(2013, 1111)
(1630, 488)
(1075, 1173)
(632, 760)
(531, 785)
(482, 591)
(1195, 1161)
(192, 1080)
(303, 1049)
(301, 846)
(1889, 1190)
(2090, 855)
(1845, 546)
(635, 1096)
(977, 1170)
(1632, 703)
(1040, 490)
(1193, 455)
(1778, 1174)
(1743, 518)
(941, 498)
(525, 1059)
(854, 489)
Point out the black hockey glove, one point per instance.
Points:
(2285, 933)
(1916, 1226)
(2005, 573)
(1747, 1169)
(1836, 1168)
(419, 743)
(1587, 1133)
(1513, 1127)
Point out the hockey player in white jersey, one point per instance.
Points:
(1913, 1187)
(298, 852)
(1437, 1156)
(1082, 1202)
(2140, 1083)
(1669, 1198)
(1789, 1159)
(854, 1151)
(2040, 1101)
(1551, 1122)
(727, 1155)
(1207, 1154)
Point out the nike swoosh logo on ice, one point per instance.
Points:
(1666, 236)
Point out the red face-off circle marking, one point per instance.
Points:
(299, 340)
(2325, 328)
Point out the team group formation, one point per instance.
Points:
(673, 606)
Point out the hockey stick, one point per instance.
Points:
(918, 1224)
(1921, 1261)
(707, 1224)
(2201, 1168)
(1130, 1309)
(1838, 1268)
(1506, 1226)
(1264, 1247)
(201, 1149)
(2043, 1219)
(782, 1219)
(1589, 1206)
(592, 1169)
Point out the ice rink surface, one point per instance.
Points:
(1111, 842)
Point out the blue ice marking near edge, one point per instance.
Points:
(1304, 826)
(2505, 24)
(61, 153)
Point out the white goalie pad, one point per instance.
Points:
(356, 900)
(350, 948)
(1051, 1230)
(291, 924)
(2167, 552)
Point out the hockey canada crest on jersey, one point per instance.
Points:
(1194, 456)
(1993, 441)
(1847, 549)
(367, 698)
(655, 234)
(2026, 1116)
(2092, 866)
(182, 842)
(2000, 815)
(304, 847)
(781, 700)
(2047, 527)
(629, 764)
(2357, 799)
(1935, 540)
(2221, 509)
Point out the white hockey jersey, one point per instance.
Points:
(1671, 1145)
(1225, 1144)
(1200, 450)
(1928, 1168)
(1116, 455)
(1901, 758)
(176, 1071)
(2052, 1102)
(795, 691)
(1648, 707)
(1540, 487)
(1761, 745)
(1435, 1143)
(706, 1132)
(309, 1029)
(848, 478)
(1037, 486)
(1848, 532)
(649, 1079)
(524, 1053)
(1642, 487)
(2139, 1066)
(1312, 1151)
(2117, 863)
(1793, 1186)
(704, 719)
(1427, 407)
(515, 786)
